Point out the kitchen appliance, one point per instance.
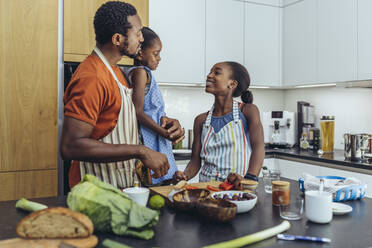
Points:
(305, 119)
(356, 146)
(279, 128)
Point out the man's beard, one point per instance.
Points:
(124, 51)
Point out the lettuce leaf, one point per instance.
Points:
(111, 209)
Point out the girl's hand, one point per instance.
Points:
(178, 176)
(175, 132)
(235, 179)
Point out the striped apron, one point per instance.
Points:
(120, 174)
(224, 152)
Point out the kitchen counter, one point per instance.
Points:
(335, 159)
(177, 229)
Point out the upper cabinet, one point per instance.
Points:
(364, 39)
(224, 32)
(79, 37)
(181, 27)
(300, 43)
(337, 40)
(263, 44)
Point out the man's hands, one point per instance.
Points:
(156, 161)
(175, 132)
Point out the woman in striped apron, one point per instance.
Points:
(228, 140)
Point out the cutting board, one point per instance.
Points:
(89, 242)
(165, 190)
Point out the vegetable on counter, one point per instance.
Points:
(253, 238)
(113, 244)
(210, 187)
(226, 186)
(191, 187)
(111, 210)
(30, 206)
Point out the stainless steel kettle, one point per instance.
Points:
(355, 145)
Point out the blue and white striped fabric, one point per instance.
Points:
(226, 151)
(154, 108)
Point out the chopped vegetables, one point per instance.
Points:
(253, 238)
(226, 186)
(191, 187)
(29, 205)
(212, 188)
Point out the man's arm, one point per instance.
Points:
(76, 144)
(256, 138)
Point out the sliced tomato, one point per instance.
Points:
(191, 187)
(212, 188)
(226, 186)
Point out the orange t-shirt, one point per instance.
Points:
(93, 96)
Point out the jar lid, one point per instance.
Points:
(249, 182)
(327, 117)
(280, 184)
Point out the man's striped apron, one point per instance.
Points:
(120, 174)
(226, 151)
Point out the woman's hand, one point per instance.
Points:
(178, 176)
(235, 180)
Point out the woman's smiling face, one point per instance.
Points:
(219, 80)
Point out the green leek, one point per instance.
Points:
(29, 205)
(253, 238)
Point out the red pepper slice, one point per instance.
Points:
(226, 186)
(212, 188)
(191, 187)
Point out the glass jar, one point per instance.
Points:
(280, 193)
(327, 129)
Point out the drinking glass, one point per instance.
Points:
(293, 210)
(268, 177)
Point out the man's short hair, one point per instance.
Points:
(111, 18)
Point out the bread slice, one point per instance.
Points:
(55, 223)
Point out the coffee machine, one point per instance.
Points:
(279, 128)
(305, 119)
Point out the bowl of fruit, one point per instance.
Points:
(244, 201)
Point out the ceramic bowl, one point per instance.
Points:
(185, 200)
(138, 194)
(216, 209)
(242, 205)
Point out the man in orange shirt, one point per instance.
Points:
(100, 130)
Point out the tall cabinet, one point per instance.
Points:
(28, 99)
(79, 37)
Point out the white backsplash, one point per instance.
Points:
(185, 103)
(349, 106)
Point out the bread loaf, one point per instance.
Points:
(55, 223)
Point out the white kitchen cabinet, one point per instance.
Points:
(276, 3)
(300, 43)
(224, 32)
(181, 27)
(263, 44)
(364, 39)
(337, 40)
(293, 170)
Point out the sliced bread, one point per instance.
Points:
(55, 223)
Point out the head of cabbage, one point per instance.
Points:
(111, 209)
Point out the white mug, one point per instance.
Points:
(138, 194)
(318, 206)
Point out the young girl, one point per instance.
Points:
(149, 103)
(229, 138)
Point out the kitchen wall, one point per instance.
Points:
(185, 103)
(349, 106)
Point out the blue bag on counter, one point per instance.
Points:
(342, 189)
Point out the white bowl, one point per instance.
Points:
(242, 206)
(138, 194)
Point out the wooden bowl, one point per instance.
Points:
(217, 209)
(185, 200)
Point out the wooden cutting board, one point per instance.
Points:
(89, 242)
(165, 190)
